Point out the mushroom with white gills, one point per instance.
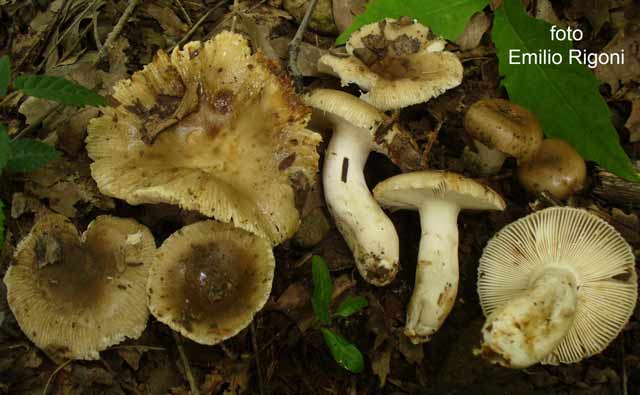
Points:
(367, 230)
(439, 197)
(557, 168)
(500, 128)
(76, 296)
(396, 63)
(209, 279)
(556, 286)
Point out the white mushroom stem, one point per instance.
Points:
(528, 328)
(488, 161)
(368, 231)
(436, 284)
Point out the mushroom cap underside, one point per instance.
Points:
(411, 190)
(209, 279)
(211, 128)
(570, 238)
(342, 107)
(75, 296)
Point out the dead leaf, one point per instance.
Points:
(345, 10)
(294, 297)
(615, 74)
(633, 122)
(381, 362)
(476, 28)
(413, 353)
(307, 57)
(23, 204)
(544, 11)
(596, 12)
(166, 17)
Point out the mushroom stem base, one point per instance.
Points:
(529, 327)
(436, 284)
(486, 161)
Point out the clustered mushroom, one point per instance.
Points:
(556, 286)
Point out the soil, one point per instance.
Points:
(281, 352)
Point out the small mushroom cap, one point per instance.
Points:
(396, 63)
(556, 168)
(209, 279)
(504, 126)
(74, 297)
(212, 129)
(593, 250)
(410, 191)
(347, 107)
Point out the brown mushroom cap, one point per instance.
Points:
(74, 297)
(505, 126)
(209, 279)
(213, 129)
(396, 63)
(557, 168)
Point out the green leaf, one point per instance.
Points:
(345, 353)
(350, 305)
(5, 147)
(5, 74)
(1, 234)
(29, 155)
(322, 287)
(564, 97)
(445, 18)
(59, 90)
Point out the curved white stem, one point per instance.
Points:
(367, 230)
(529, 327)
(436, 284)
(487, 161)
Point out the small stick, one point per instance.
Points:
(228, 352)
(96, 36)
(197, 25)
(36, 123)
(254, 342)
(53, 375)
(185, 364)
(294, 47)
(184, 12)
(235, 16)
(117, 29)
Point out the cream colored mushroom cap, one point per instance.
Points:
(74, 297)
(410, 190)
(587, 245)
(333, 103)
(213, 129)
(406, 67)
(209, 279)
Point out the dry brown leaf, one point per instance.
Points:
(381, 362)
(615, 74)
(294, 297)
(544, 10)
(596, 12)
(633, 122)
(345, 10)
(166, 17)
(476, 28)
(307, 57)
(413, 353)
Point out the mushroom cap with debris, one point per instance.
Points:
(75, 296)
(209, 279)
(573, 239)
(213, 129)
(396, 63)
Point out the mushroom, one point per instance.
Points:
(75, 296)
(209, 279)
(396, 63)
(556, 286)
(499, 129)
(557, 168)
(212, 129)
(438, 196)
(367, 230)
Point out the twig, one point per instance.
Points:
(235, 15)
(36, 123)
(117, 29)
(254, 342)
(184, 12)
(96, 35)
(136, 347)
(53, 375)
(228, 352)
(185, 364)
(197, 25)
(294, 47)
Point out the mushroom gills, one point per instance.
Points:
(529, 327)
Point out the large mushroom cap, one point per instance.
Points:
(504, 126)
(74, 297)
(556, 168)
(346, 107)
(410, 190)
(213, 129)
(396, 63)
(209, 279)
(600, 259)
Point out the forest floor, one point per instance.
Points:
(280, 353)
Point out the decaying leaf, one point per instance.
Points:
(616, 74)
(381, 362)
(633, 122)
(166, 17)
(65, 184)
(307, 57)
(345, 10)
(477, 26)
